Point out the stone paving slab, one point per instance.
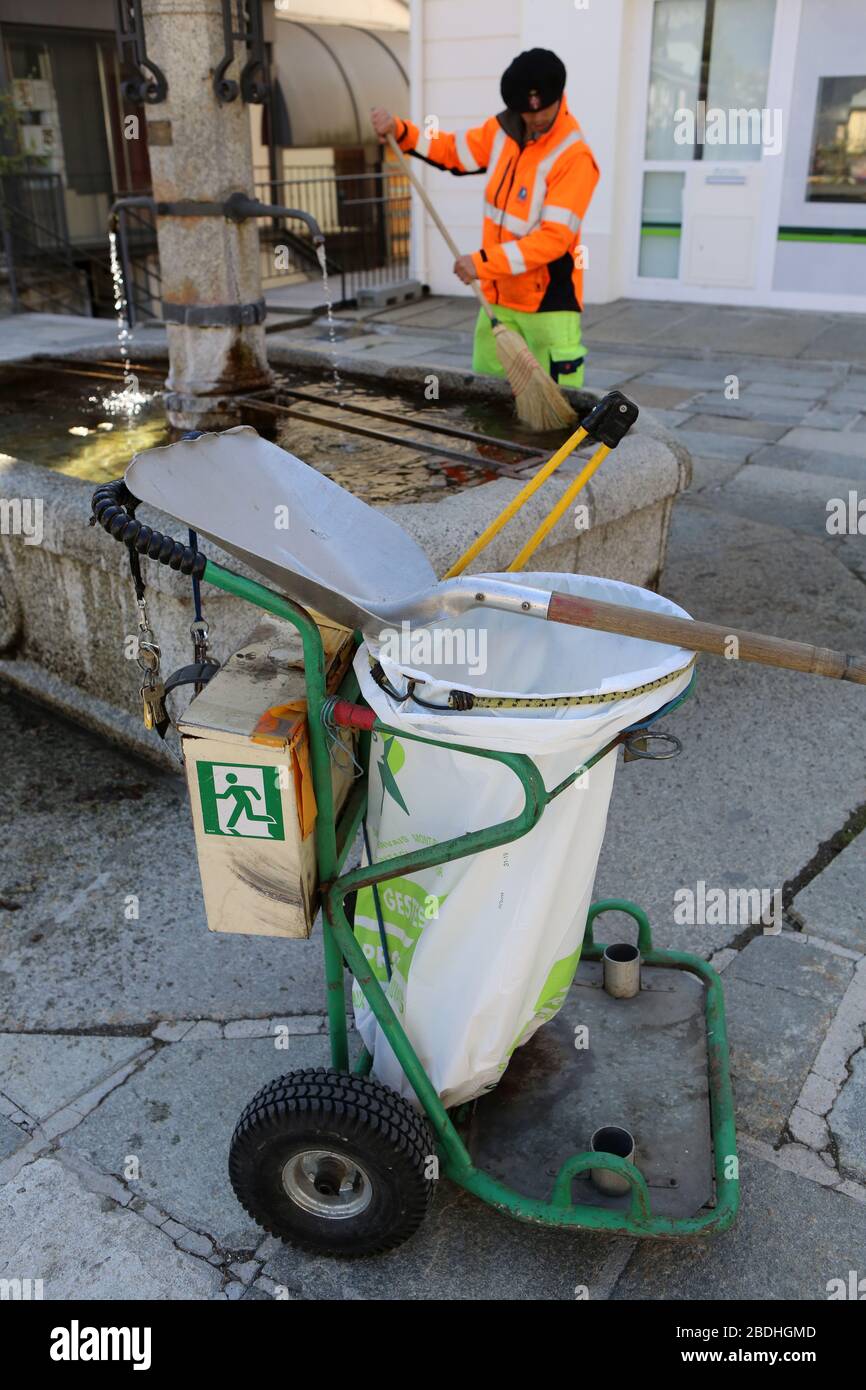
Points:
(406, 347)
(670, 419)
(841, 341)
(790, 1239)
(695, 376)
(12, 1137)
(835, 442)
(719, 443)
(774, 1036)
(644, 320)
(614, 359)
(780, 409)
(804, 386)
(442, 357)
(851, 396)
(604, 378)
(759, 376)
(177, 1116)
(30, 335)
(846, 1121)
(833, 905)
(83, 1245)
(819, 463)
(786, 499)
(712, 473)
(796, 966)
(771, 332)
(732, 810)
(41, 1073)
(665, 397)
(92, 833)
(714, 421)
(466, 1251)
(827, 417)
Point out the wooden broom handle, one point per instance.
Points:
(705, 637)
(425, 199)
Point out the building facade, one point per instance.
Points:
(731, 137)
(67, 150)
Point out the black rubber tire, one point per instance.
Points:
(321, 1108)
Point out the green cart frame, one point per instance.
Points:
(331, 1158)
(323, 1094)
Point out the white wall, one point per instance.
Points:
(589, 40)
(825, 50)
(459, 50)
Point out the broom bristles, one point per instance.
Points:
(539, 401)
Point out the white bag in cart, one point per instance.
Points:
(483, 950)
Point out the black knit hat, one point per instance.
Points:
(535, 79)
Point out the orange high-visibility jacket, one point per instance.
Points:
(536, 196)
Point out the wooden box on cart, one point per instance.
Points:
(246, 753)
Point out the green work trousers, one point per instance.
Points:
(552, 338)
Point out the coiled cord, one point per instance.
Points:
(113, 507)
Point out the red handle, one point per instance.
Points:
(352, 716)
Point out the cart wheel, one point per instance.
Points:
(333, 1163)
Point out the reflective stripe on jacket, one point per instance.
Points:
(536, 195)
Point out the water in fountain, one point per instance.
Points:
(128, 402)
(332, 327)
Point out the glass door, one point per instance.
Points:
(707, 131)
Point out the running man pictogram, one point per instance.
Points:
(241, 797)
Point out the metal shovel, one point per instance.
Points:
(328, 550)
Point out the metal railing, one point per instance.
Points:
(365, 217)
(45, 272)
(142, 278)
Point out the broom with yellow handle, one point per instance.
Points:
(539, 401)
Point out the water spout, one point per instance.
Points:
(329, 304)
(129, 401)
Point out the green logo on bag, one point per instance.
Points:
(392, 759)
(406, 908)
(241, 799)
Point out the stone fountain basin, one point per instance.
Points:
(67, 608)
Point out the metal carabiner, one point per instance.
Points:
(149, 653)
(635, 745)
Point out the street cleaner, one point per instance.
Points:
(541, 175)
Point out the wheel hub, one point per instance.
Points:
(327, 1184)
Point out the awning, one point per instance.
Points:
(330, 76)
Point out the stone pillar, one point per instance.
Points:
(200, 152)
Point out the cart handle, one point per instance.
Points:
(639, 1209)
(350, 716)
(644, 931)
(697, 636)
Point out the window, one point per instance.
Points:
(675, 69)
(837, 169)
(661, 224)
(708, 79)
